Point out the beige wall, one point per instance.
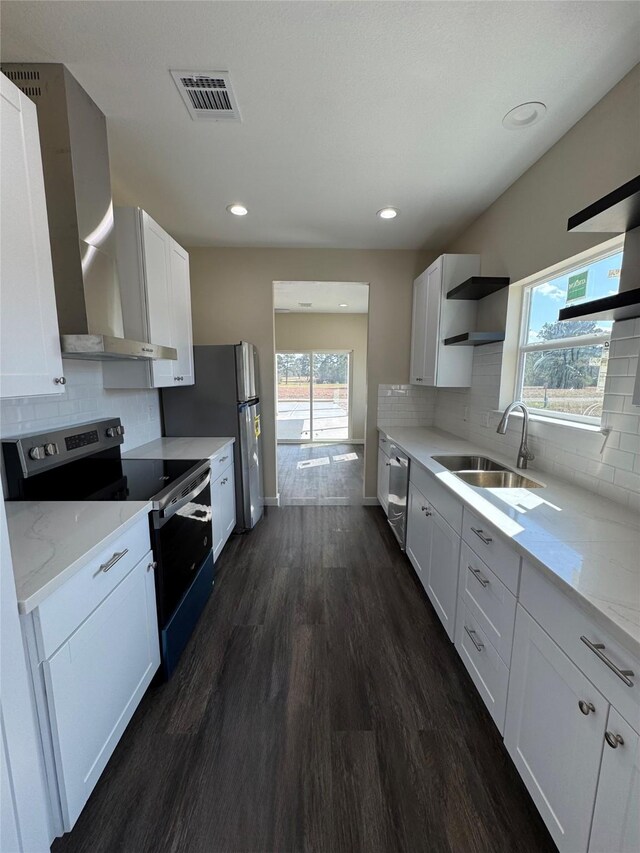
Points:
(301, 332)
(232, 299)
(525, 230)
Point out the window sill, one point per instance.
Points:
(556, 422)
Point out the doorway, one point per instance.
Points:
(321, 331)
(313, 396)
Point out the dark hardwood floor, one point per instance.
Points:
(320, 472)
(319, 707)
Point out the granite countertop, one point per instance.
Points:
(587, 545)
(51, 540)
(178, 448)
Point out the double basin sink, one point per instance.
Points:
(485, 473)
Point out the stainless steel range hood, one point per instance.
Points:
(75, 157)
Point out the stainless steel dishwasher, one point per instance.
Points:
(398, 488)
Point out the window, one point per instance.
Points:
(562, 366)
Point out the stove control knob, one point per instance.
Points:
(36, 453)
(112, 432)
(51, 449)
(120, 430)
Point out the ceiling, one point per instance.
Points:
(346, 106)
(325, 297)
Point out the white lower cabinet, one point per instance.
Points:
(418, 541)
(616, 822)
(383, 476)
(554, 733)
(433, 547)
(442, 585)
(223, 508)
(95, 681)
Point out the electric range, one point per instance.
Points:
(84, 462)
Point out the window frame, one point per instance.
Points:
(570, 265)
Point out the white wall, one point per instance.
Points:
(84, 400)
(309, 331)
(572, 453)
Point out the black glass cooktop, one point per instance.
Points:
(103, 477)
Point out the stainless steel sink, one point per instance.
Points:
(504, 479)
(469, 463)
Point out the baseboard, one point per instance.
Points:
(272, 501)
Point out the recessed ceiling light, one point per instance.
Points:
(343, 305)
(524, 115)
(237, 209)
(388, 213)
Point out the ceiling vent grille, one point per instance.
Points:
(207, 95)
(26, 81)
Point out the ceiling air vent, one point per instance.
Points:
(207, 95)
(305, 304)
(27, 81)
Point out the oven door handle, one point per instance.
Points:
(169, 511)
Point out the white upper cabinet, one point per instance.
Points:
(435, 319)
(30, 358)
(156, 302)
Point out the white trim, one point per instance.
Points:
(272, 501)
(557, 421)
(527, 286)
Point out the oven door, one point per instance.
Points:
(182, 539)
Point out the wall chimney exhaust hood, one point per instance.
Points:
(75, 159)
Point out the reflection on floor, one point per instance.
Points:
(320, 474)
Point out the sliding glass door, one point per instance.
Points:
(314, 400)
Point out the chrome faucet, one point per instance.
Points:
(524, 454)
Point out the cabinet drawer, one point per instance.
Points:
(221, 460)
(493, 550)
(566, 622)
(448, 507)
(485, 666)
(66, 608)
(383, 444)
(488, 600)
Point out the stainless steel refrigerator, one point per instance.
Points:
(224, 402)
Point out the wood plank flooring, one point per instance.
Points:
(318, 707)
(330, 478)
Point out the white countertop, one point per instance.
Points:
(178, 448)
(51, 540)
(587, 545)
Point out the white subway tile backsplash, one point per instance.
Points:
(85, 399)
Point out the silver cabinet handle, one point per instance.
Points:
(426, 510)
(479, 576)
(481, 535)
(223, 459)
(226, 480)
(596, 648)
(60, 380)
(418, 378)
(152, 566)
(586, 708)
(111, 563)
(388, 464)
(614, 740)
(472, 636)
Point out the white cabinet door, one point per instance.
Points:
(29, 336)
(418, 542)
(223, 504)
(442, 584)
(432, 323)
(383, 480)
(554, 732)
(95, 682)
(616, 820)
(181, 313)
(156, 253)
(418, 329)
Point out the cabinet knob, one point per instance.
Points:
(586, 708)
(152, 566)
(60, 380)
(614, 740)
